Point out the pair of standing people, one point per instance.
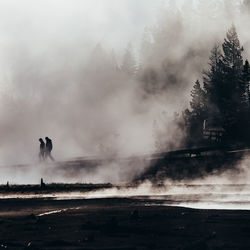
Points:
(45, 149)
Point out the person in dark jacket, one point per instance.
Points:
(49, 147)
(42, 150)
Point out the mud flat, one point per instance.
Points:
(118, 223)
(51, 188)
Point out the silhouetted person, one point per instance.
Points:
(49, 147)
(42, 150)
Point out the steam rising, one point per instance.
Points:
(61, 74)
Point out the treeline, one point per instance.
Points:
(221, 103)
(170, 57)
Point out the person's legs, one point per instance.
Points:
(46, 154)
(50, 156)
(40, 157)
(43, 155)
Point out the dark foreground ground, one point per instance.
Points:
(124, 224)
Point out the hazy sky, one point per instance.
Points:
(39, 43)
(42, 22)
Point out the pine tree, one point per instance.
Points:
(232, 49)
(244, 86)
(194, 119)
(232, 69)
(197, 103)
(113, 60)
(213, 87)
(101, 61)
(244, 119)
(129, 63)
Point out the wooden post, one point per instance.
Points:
(42, 184)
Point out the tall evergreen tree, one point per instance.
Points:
(232, 69)
(129, 63)
(213, 87)
(244, 86)
(232, 52)
(244, 118)
(194, 118)
(197, 103)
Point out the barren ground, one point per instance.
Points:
(118, 223)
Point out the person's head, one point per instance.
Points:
(46, 138)
(41, 140)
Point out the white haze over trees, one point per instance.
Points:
(104, 77)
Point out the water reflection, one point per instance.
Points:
(192, 196)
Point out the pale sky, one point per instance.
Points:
(42, 23)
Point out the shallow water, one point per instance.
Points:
(192, 196)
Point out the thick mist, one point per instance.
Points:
(62, 75)
(55, 80)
